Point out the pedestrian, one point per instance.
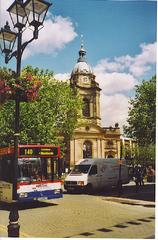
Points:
(137, 177)
(143, 173)
(150, 174)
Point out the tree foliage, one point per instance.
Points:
(145, 155)
(49, 119)
(142, 114)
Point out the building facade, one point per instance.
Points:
(90, 139)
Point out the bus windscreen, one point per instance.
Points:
(36, 169)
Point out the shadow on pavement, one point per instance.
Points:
(27, 205)
(145, 192)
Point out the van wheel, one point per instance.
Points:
(89, 189)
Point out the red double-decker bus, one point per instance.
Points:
(39, 171)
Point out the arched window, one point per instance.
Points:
(110, 154)
(110, 143)
(86, 107)
(87, 149)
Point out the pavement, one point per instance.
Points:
(144, 197)
(145, 193)
(129, 194)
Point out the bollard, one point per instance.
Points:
(13, 227)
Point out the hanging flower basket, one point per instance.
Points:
(5, 91)
(25, 88)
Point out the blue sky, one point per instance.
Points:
(120, 39)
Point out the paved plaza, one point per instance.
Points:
(86, 216)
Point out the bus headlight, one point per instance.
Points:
(22, 195)
(56, 191)
(80, 183)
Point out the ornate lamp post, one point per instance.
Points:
(32, 13)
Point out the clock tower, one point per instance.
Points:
(83, 78)
(90, 139)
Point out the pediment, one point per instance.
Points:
(88, 128)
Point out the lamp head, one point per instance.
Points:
(36, 10)
(18, 14)
(7, 39)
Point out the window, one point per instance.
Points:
(87, 149)
(93, 170)
(86, 108)
(110, 143)
(81, 169)
(37, 169)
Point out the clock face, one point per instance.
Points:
(85, 80)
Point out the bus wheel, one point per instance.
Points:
(89, 189)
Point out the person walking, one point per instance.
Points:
(137, 177)
(150, 174)
(143, 174)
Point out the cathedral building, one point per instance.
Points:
(90, 139)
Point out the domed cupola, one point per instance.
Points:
(82, 67)
(83, 79)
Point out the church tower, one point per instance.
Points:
(89, 139)
(83, 78)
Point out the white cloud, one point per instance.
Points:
(53, 37)
(115, 82)
(136, 65)
(62, 76)
(111, 77)
(118, 76)
(114, 109)
(139, 70)
(4, 15)
(141, 62)
(148, 54)
(105, 65)
(125, 61)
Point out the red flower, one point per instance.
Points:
(28, 85)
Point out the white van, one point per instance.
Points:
(96, 173)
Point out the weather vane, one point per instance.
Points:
(82, 40)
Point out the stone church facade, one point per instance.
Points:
(90, 139)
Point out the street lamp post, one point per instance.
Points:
(32, 13)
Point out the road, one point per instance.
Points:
(85, 216)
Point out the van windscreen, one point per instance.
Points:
(80, 169)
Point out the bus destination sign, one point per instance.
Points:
(38, 151)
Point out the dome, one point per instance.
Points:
(82, 67)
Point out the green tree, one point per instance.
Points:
(142, 122)
(50, 119)
(142, 114)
